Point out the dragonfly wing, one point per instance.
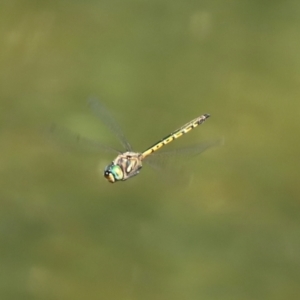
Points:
(103, 114)
(160, 160)
(69, 138)
(170, 164)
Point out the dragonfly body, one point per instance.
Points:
(125, 165)
(129, 164)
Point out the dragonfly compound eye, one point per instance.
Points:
(113, 173)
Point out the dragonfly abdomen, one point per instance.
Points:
(176, 134)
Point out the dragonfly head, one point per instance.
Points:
(113, 173)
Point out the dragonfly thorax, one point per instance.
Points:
(126, 165)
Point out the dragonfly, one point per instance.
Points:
(129, 163)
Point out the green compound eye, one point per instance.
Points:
(113, 173)
(117, 172)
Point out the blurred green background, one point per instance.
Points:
(232, 231)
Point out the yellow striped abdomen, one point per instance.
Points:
(176, 134)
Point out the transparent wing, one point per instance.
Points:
(173, 158)
(103, 114)
(69, 138)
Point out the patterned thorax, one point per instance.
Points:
(126, 165)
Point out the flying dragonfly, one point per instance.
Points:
(129, 163)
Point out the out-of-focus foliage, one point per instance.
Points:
(232, 231)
